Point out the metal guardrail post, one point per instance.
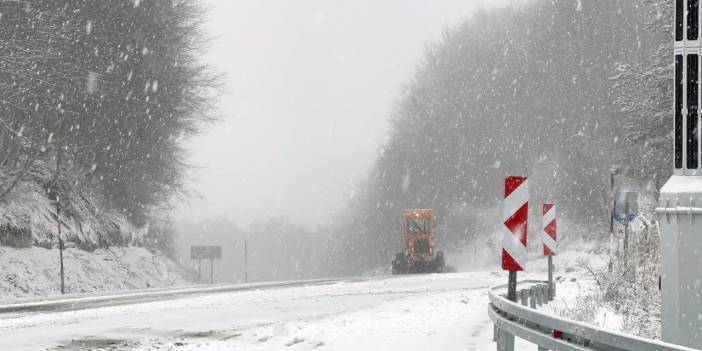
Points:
(524, 296)
(540, 290)
(544, 294)
(505, 340)
(532, 297)
(537, 298)
(539, 295)
(545, 297)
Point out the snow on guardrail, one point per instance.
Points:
(556, 333)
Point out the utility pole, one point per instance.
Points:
(58, 219)
(58, 214)
(246, 263)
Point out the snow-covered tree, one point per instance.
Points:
(644, 91)
(106, 91)
(516, 91)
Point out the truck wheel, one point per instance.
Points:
(399, 264)
(439, 262)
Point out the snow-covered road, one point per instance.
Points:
(446, 312)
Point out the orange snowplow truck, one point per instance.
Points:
(420, 254)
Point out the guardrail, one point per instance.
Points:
(555, 333)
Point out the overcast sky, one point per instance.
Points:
(310, 87)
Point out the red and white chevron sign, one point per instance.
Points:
(514, 237)
(549, 233)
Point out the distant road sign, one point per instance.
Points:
(626, 206)
(205, 252)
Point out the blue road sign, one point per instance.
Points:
(626, 207)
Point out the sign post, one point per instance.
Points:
(612, 172)
(514, 242)
(550, 244)
(626, 206)
(208, 253)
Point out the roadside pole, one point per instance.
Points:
(246, 263)
(58, 220)
(626, 230)
(612, 173)
(628, 202)
(211, 270)
(58, 214)
(551, 283)
(514, 243)
(512, 286)
(550, 244)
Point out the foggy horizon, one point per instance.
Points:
(306, 102)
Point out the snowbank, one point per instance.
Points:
(32, 272)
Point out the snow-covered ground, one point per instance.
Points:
(34, 272)
(446, 312)
(415, 312)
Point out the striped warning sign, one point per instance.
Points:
(549, 233)
(514, 238)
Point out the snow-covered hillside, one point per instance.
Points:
(99, 255)
(33, 272)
